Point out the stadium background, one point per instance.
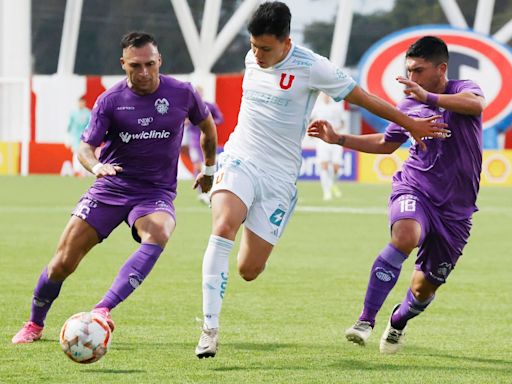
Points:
(82, 66)
(286, 326)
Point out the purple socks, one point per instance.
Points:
(131, 275)
(383, 277)
(409, 308)
(45, 292)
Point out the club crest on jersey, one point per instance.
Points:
(162, 106)
(285, 83)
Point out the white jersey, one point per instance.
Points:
(333, 113)
(276, 108)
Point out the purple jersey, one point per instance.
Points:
(194, 132)
(448, 172)
(142, 134)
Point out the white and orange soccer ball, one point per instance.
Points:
(85, 337)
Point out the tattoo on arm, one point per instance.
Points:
(341, 141)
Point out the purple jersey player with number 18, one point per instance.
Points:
(434, 195)
(140, 120)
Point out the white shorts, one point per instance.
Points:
(328, 153)
(270, 201)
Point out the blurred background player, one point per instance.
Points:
(329, 156)
(135, 176)
(77, 123)
(192, 142)
(434, 195)
(258, 170)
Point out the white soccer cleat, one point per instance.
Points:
(327, 196)
(204, 198)
(392, 339)
(359, 333)
(336, 191)
(208, 343)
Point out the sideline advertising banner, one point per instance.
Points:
(379, 169)
(9, 158)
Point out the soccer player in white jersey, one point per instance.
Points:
(255, 183)
(329, 156)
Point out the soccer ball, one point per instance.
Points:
(85, 337)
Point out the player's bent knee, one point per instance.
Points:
(59, 271)
(249, 273)
(422, 292)
(405, 242)
(225, 230)
(159, 237)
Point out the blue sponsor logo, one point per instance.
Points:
(310, 169)
(277, 217)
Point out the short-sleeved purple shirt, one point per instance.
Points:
(142, 134)
(448, 172)
(195, 132)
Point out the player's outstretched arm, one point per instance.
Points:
(209, 148)
(418, 128)
(86, 156)
(373, 143)
(465, 103)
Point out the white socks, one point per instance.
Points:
(326, 182)
(215, 278)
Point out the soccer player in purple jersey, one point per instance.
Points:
(433, 196)
(192, 143)
(140, 120)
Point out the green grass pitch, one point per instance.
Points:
(285, 327)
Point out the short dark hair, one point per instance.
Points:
(271, 18)
(430, 48)
(137, 39)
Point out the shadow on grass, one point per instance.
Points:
(261, 346)
(413, 360)
(443, 362)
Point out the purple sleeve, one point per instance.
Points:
(218, 118)
(468, 86)
(98, 124)
(198, 110)
(394, 132)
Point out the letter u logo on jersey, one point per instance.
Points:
(286, 84)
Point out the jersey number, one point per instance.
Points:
(408, 205)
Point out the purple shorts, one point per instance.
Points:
(104, 218)
(442, 240)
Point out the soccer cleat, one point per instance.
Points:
(336, 191)
(327, 195)
(28, 334)
(359, 333)
(392, 339)
(105, 313)
(204, 198)
(208, 343)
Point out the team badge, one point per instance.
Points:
(162, 106)
(288, 83)
(444, 269)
